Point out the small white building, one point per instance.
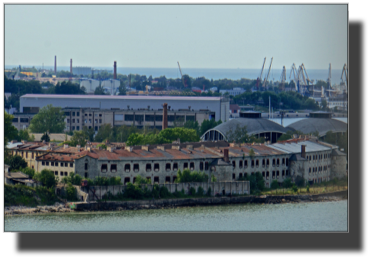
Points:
(111, 86)
(233, 92)
(89, 84)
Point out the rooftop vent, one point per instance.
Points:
(65, 146)
(130, 149)
(111, 149)
(176, 147)
(161, 148)
(190, 147)
(146, 148)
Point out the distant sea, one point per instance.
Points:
(215, 73)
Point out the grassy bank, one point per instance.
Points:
(318, 188)
(20, 195)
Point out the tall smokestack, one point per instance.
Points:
(55, 64)
(165, 116)
(303, 151)
(114, 70)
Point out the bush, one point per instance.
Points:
(295, 188)
(307, 188)
(288, 183)
(274, 184)
(300, 182)
(164, 192)
(208, 192)
(16, 162)
(179, 194)
(200, 191)
(192, 191)
(187, 176)
(71, 193)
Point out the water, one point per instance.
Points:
(214, 73)
(315, 216)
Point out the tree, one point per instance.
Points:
(89, 133)
(23, 134)
(29, 171)
(324, 104)
(300, 181)
(45, 137)
(187, 176)
(16, 162)
(10, 132)
(79, 138)
(122, 88)
(288, 182)
(274, 184)
(46, 177)
(192, 125)
(99, 91)
(103, 133)
(48, 119)
(208, 124)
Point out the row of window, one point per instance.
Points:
(156, 179)
(63, 164)
(21, 153)
(275, 174)
(22, 120)
(285, 161)
(319, 169)
(78, 128)
(62, 173)
(319, 157)
(78, 114)
(156, 167)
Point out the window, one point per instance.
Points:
(148, 179)
(156, 179)
(267, 162)
(287, 172)
(240, 175)
(185, 165)
(174, 178)
(191, 166)
(85, 121)
(127, 168)
(253, 163)
(156, 167)
(233, 164)
(104, 168)
(245, 163)
(77, 113)
(167, 179)
(73, 128)
(61, 164)
(241, 164)
(26, 155)
(273, 174)
(245, 175)
(100, 120)
(55, 172)
(267, 174)
(51, 163)
(277, 173)
(309, 169)
(127, 180)
(85, 175)
(287, 161)
(85, 166)
(66, 173)
(233, 175)
(148, 167)
(175, 166)
(68, 120)
(89, 127)
(78, 121)
(201, 165)
(90, 114)
(100, 115)
(61, 173)
(96, 121)
(263, 174)
(206, 165)
(56, 163)
(32, 155)
(66, 165)
(274, 162)
(89, 120)
(134, 179)
(85, 114)
(136, 167)
(22, 154)
(96, 128)
(71, 165)
(73, 114)
(278, 162)
(257, 163)
(168, 167)
(283, 173)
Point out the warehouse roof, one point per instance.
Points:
(295, 146)
(123, 97)
(322, 125)
(254, 126)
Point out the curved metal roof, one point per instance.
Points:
(322, 125)
(254, 126)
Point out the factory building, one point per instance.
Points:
(111, 86)
(89, 84)
(313, 161)
(31, 103)
(82, 71)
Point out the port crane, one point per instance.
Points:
(345, 73)
(261, 75)
(180, 71)
(270, 66)
(295, 75)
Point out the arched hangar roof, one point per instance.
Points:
(322, 125)
(254, 126)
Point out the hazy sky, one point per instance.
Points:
(198, 36)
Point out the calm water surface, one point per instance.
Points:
(323, 216)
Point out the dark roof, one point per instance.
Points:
(297, 157)
(219, 162)
(322, 125)
(254, 126)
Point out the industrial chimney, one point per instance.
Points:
(165, 116)
(226, 156)
(114, 70)
(303, 151)
(55, 64)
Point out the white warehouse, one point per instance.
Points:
(31, 103)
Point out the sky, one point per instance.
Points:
(198, 36)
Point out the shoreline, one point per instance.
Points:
(174, 203)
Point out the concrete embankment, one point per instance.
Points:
(170, 203)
